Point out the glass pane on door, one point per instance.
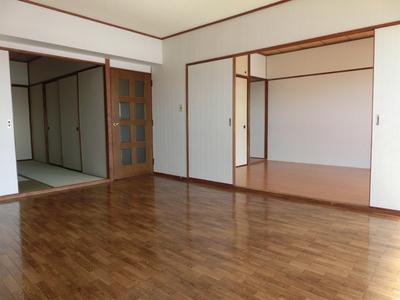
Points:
(123, 87)
(140, 133)
(139, 88)
(126, 157)
(139, 111)
(141, 155)
(125, 134)
(124, 111)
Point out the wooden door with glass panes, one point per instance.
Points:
(132, 123)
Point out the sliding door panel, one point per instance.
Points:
(53, 123)
(385, 164)
(210, 88)
(69, 116)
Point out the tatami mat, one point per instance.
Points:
(52, 175)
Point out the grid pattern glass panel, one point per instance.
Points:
(126, 157)
(125, 134)
(140, 133)
(141, 155)
(123, 87)
(124, 111)
(139, 88)
(139, 111)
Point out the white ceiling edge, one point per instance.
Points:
(158, 18)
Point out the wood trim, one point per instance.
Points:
(46, 124)
(50, 55)
(322, 73)
(266, 121)
(17, 197)
(248, 108)
(108, 105)
(87, 18)
(187, 120)
(227, 19)
(233, 120)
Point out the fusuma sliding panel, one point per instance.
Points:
(93, 123)
(210, 116)
(70, 127)
(385, 165)
(53, 123)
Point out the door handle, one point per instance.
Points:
(115, 124)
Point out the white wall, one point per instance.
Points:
(257, 119)
(32, 28)
(385, 171)
(323, 119)
(290, 22)
(8, 162)
(22, 127)
(331, 58)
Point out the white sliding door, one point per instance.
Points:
(93, 124)
(37, 123)
(210, 90)
(22, 128)
(241, 121)
(257, 119)
(8, 163)
(53, 123)
(385, 169)
(69, 116)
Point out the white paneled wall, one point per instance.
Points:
(8, 163)
(289, 22)
(210, 117)
(324, 119)
(336, 57)
(385, 172)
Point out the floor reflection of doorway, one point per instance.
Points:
(338, 184)
(34, 176)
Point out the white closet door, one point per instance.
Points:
(385, 167)
(93, 122)
(22, 128)
(241, 121)
(210, 116)
(8, 163)
(53, 123)
(69, 116)
(37, 123)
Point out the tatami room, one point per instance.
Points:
(60, 136)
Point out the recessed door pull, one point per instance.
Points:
(115, 124)
(377, 119)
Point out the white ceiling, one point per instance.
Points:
(159, 18)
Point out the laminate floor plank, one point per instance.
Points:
(331, 183)
(150, 238)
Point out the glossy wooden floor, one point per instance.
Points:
(337, 184)
(154, 238)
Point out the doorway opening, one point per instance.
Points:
(60, 121)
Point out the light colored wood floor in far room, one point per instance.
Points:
(338, 184)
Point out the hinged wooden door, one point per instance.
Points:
(132, 123)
